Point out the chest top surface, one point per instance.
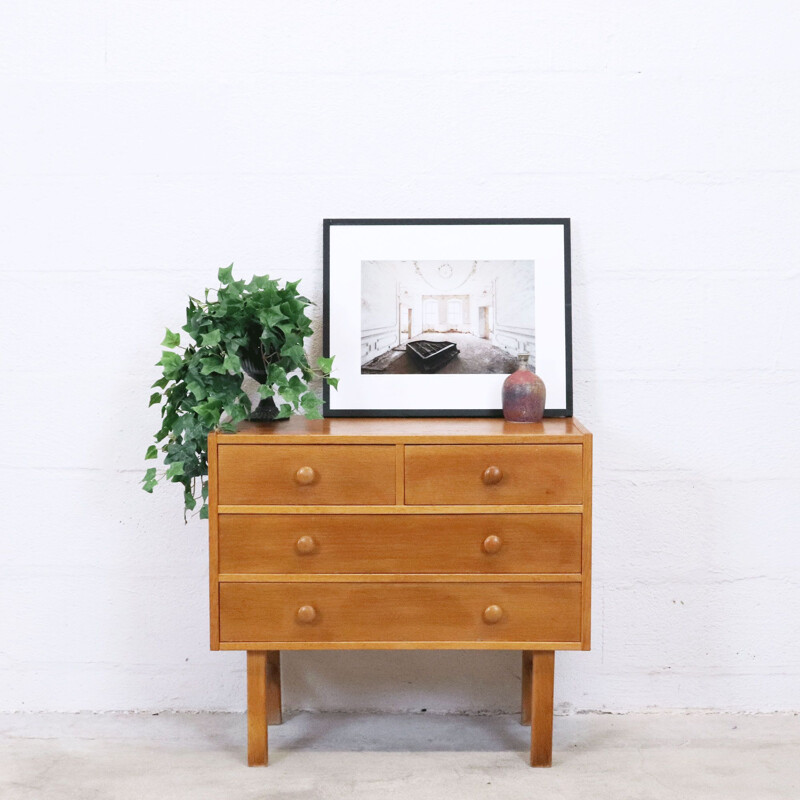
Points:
(441, 430)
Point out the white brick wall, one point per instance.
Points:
(144, 145)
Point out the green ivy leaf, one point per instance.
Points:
(210, 365)
(311, 405)
(211, 338)
(171, 339)
(175, 470)
(270, 317)
(154, 399)
(204, 512)
(152, 452)
(261, 282)
(149, 475)
(289, 331)
(295, 354)
(265, 391)
(225, 275)
(161, 383)
(236, 412)
(189, 502)
(169, 360)
(292, 390)
(276, 375)
(290, 397)
(197, 389)
(333, 382)
(296, 384)
(208, 413)
(232, 363)
(325, 364)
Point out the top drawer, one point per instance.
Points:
(515, 474)
(300, 474)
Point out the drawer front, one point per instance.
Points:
(306, 474)
(423, 543)
(394, 612)
(494, 474)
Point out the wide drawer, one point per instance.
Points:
(400, 543)
(409, 612)
(306, 474)
(493, 474)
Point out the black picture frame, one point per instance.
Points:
(328, 224)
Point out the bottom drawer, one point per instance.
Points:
(397, 612)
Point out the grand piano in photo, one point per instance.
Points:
(431, 356)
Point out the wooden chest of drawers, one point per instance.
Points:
(393, 534)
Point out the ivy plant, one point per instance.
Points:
(256, 327)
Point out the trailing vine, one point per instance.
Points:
(257, 327)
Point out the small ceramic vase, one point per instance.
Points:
(523, 393)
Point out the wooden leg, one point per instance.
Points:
(257, 751)
(274, 708)
(542, 708)
(527, 668)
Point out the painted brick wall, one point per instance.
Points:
(144, 145)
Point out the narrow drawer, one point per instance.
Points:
(399, 543)
(306, 474)
(493, 474)
(394, 612)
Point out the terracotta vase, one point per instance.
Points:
(523, 393)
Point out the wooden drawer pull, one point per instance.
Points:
(492, 475)
(305, 475)
(492, 614)
(306, 614)
(306, 544)
(492, 544)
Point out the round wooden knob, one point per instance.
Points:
(492, 544)
(306, 614)
(305, 475)
(492, 475)
(492, 614)
(306, 544)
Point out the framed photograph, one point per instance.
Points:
(427, 317)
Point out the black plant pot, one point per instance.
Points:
(266, 410)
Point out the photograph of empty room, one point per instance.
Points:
(446, 317)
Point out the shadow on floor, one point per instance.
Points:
(401, 733)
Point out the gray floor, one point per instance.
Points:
(414, 757)
(476, 356)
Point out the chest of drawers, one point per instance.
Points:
(400, 534)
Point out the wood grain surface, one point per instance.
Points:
(413, 611)
(527, 674)
(316, 543)
(343, 474)
(213, 542)
(332, 431)
(543, 667)
(257, 746)
(457, 474)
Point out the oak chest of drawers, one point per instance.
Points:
(400, 534)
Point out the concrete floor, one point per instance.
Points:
(476, 356)
(413, 757)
